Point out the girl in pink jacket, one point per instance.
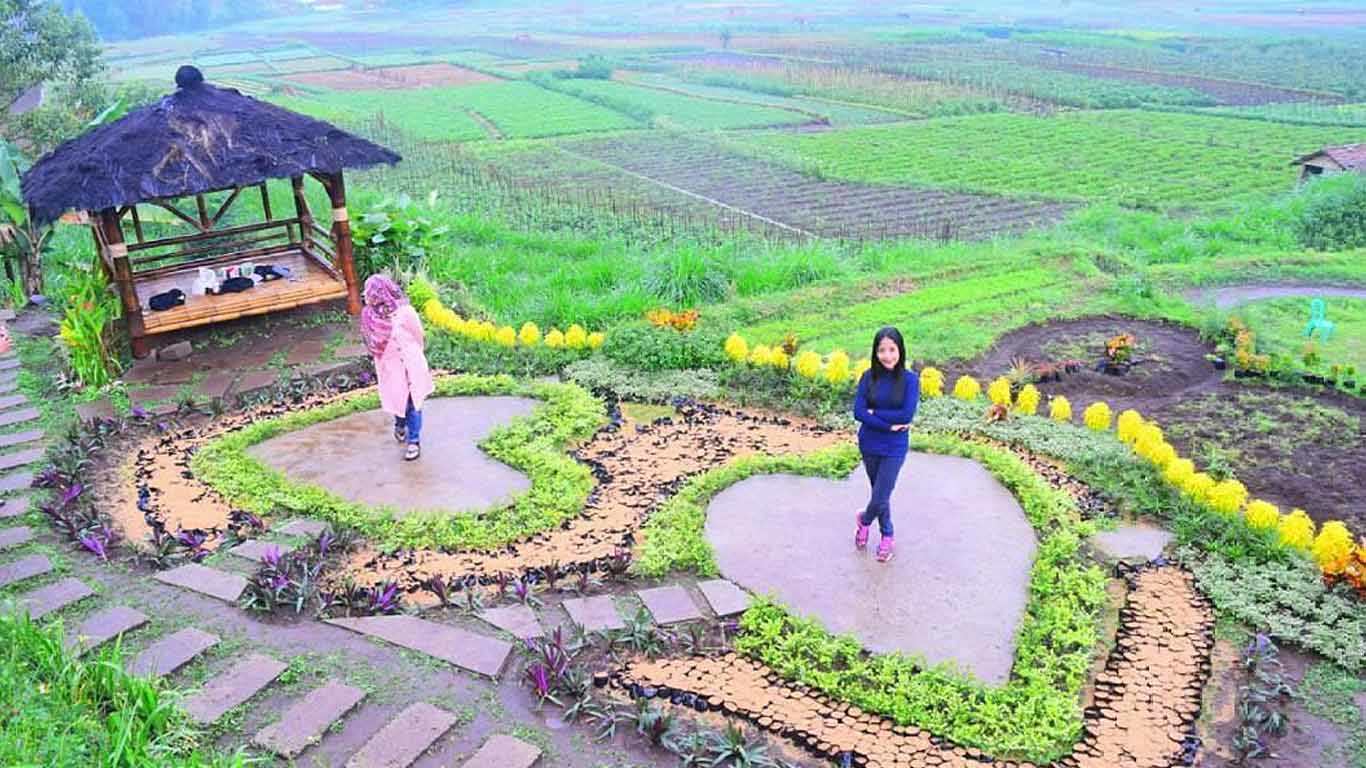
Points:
(393, 334)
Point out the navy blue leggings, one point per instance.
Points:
(412, 422)
(882, 474)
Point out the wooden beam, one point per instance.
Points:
(203, 212)
(341, 236)
(265, 200)
(111, 232)
(181, 214)
(198, 236)
(301, 212)
(226, 205)
(137, 224)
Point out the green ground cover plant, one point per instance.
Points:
(61, 711)
(536, 444)
(1133, 157)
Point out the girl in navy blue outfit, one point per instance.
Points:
(884, 407)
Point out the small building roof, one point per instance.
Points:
(1348, 156)
(199, 139)
(29, 100)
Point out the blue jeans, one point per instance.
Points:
(412, 423)
(882, 473)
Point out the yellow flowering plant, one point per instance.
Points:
(1059, 409)
(966, 388)
(837, 368)
(1227, 496)
(1027, 402)
(596, 339)
(1198, 487)
(779, 359)
(760, 355)
(998, 392)
(554, 339)
(576, 337)
(1097, 416)
(931, 382)
(1127, 425)
(1262, 514)
(1178, 472)
(505, 337)
(1296, 530)
(808, 364)
(529, 335)
(861, 367)
(1333, 547)
(737, 350)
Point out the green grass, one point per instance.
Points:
(1300, 113)
(1137, 158)
(678, 110)
(518, 109)
(839, 114)
(1280, 323)
(59, 711)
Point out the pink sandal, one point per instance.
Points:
(884, 549)
(861, 534)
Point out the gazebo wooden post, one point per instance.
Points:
(304, 214)
(116, 254)
(341, 236)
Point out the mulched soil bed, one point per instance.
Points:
(1182, 391)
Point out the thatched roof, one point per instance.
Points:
(199, 139)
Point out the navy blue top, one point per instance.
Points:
(875, 435)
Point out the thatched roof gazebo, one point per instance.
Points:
(199, 141)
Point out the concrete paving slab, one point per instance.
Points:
(54, 597)
(517, 620)
(505, 752)
(18, 416)
(669, 604)
(403, 740)
(99, 628)
(594, 614)
(305, 721)
(14, 537)
(1132, 542)
(16, 459)
(16, 481)
(303, 527)
(171, 653)
(725, 598)
(255, 550)
(243, 680)
(24, 568)
(204, 580)
(21, 438)
(467, 650)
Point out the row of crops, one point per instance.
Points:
(1132, 157)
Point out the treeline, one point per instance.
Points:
(125, 19)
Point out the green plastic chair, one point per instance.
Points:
(1318, 321)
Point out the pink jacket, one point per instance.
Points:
(402, 368)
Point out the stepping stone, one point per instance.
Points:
(171, 653)
(18, 417)
(725, 598)
(255, 550)
(54, 597)
(20, 438)
(95, 409)
(13, 537)
(254, 381)
(400, 743)
(16, 481)
(11, 401)
(306, 351)
(20, 458)
(6, 315)
(1131, 542)
(25, 568)
(205, 580)
(305, 722)
(303, 527)
(351, 351)
(13, 507)
(505, 752)
(233, 687)
(8, 384)
(517, 620)
(100, 628)
(9, 363)
(166, 393)
(594, 613)
(464, 649)
(670, 604)
(215, 386)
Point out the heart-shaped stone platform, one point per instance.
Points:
(955, 592)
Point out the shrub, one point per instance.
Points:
(1333, 216)
(1178, 472)
(599, 374)
(966, 388)
(505, 337)
(653, 348)
(808, 364)
(760, 354)
(837, 368)
(554, 339)
(687, 277)
(530, 335)
(736, 348)
(777, 358)
(1097, 416)
(576, 337)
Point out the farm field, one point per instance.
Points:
(654, 249)
(1130, 157)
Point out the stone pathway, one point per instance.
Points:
(669, 605)
(1226, 296)
(205, 580)
(54, 597)
(13, 537)
(467, 650)
(100, 628)
(725, 598)
(256, 551)
(171, 652)
(594, 614)
(405, 738)
(233, 687)
(1132, 542)
(517, 620)
(505, 752)
(305, 722)
(24, 568)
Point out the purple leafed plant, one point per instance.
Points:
(385, 598)
(541, 682)
(70, 494)
(98, 541)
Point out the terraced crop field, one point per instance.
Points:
(680, 110)
(806, 206)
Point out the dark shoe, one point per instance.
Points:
(400, 434)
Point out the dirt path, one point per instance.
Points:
(1227, 296)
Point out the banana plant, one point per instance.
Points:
(18, 231)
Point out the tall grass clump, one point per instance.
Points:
(687, 277)
(1332, 216)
